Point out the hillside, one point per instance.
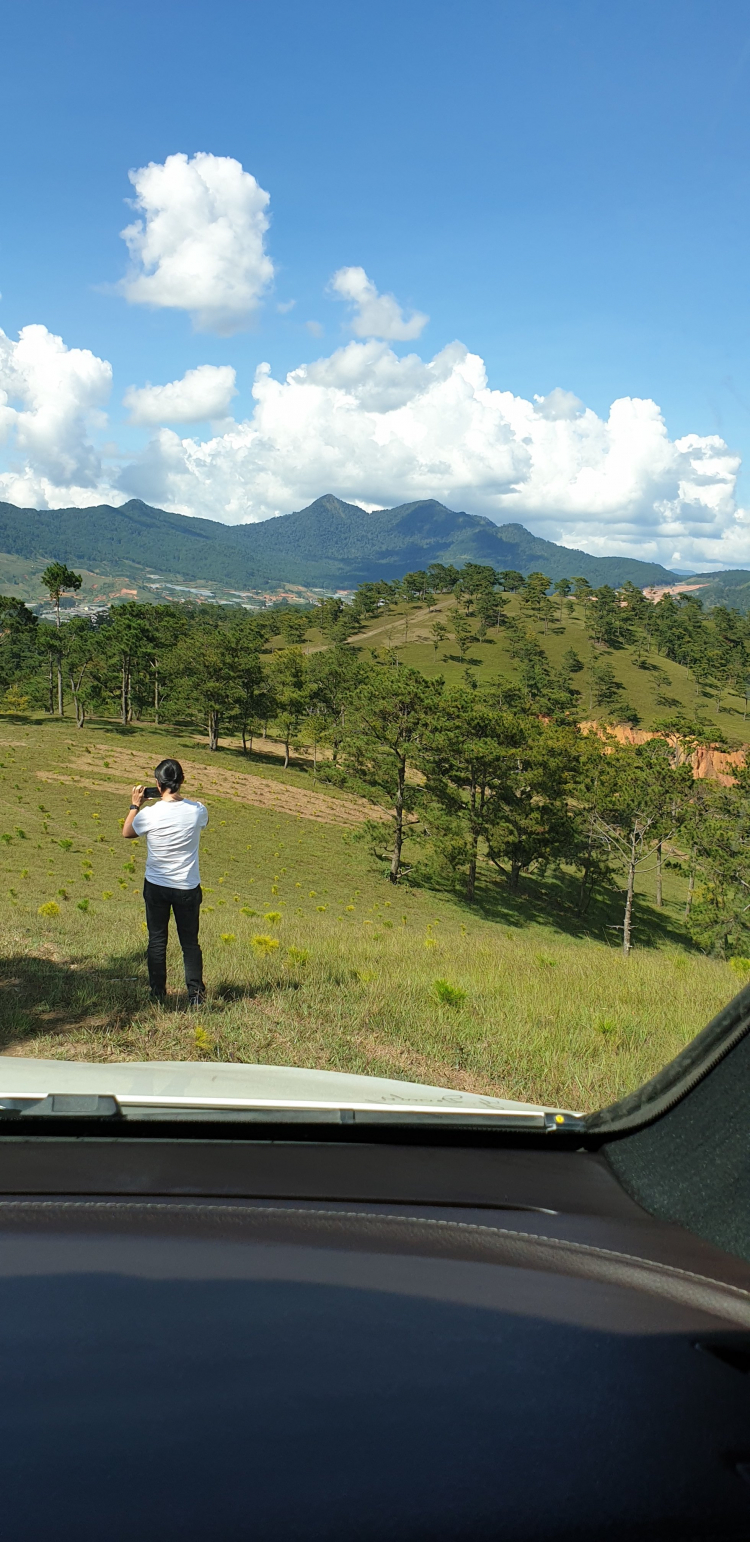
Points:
(345, 547)
(730, 588)
(655, 686)
(546, 1005)
(330, 544)
(133, 538)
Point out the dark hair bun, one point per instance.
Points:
(169, 774)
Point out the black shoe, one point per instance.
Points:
(196, 1000)
(158, 998)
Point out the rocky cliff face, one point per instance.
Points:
(709, 762)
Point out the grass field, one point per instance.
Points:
(657, 690)
(343, 970)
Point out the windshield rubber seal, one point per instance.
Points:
(680, 1076)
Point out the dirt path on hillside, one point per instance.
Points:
(419, 623)
(245, 787)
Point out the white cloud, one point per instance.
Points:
(202, 394)
(372, 374)
(50, 403)
(380, 430)
(199, 244)
(285, 306)
(375, 315)
(314, 328)
(558, 405)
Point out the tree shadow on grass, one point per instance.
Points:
(48, 998)
(551, 902)
(227, 992)
(113, 730)
(41, 997)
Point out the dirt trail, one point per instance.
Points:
(260, 791)
(416, 625)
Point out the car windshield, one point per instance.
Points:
(373, 705)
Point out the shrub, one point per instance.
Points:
(83, 904)
(263, 944)
(246, 910)
(50, 908)
(228, 938)
(449, 995)
(65, 844)
(741, 966)
(297, 955)
(273, 917)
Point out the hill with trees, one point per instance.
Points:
(329, 544)
(485, 772)
(730, 588)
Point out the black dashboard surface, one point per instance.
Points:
(280, 1339)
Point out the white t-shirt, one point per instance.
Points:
(172, 831)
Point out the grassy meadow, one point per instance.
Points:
(311, 957)
(657, 687)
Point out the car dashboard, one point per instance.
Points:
(304, 1332)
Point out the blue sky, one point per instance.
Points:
(562, 188)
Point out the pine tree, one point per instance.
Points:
(57, 579)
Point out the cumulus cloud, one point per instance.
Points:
(202, 394)
(198, 245)
(375, 315)
(559, 404)
(50, 406)
(378, 429)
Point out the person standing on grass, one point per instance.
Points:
(172, 828)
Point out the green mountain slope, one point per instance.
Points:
(337, 540)
(133, 537)
(730, 588)
(330, 544)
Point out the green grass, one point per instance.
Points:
(407, 629)
(514, 997)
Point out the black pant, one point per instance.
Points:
(186, 904)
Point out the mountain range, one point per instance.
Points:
(328, 545)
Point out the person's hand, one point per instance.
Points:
(138, 795)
